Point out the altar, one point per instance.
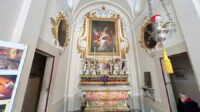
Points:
(105, 85)
(104, 76)
(105, 99)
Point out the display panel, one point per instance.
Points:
(12, 57)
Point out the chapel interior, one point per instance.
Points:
(100, 56)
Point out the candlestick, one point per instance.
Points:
(82, 55)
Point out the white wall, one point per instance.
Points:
(10, 11)
(151, 63)
(60, 75)
(32, 26)
(189, 20)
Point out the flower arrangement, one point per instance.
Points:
(104, 78)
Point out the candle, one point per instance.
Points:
(113, 51)
(94, 59)
(82, 55)
(94, 51)
(124, 53)
(113, 55)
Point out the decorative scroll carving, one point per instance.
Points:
(60, 31)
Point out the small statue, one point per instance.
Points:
(116, 67)
(110, 67)
(85, 66)
(123, 67)
(87, 72)
(98, 72)
(94, 69)
(91, 69)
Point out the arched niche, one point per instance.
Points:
(79, 14)
(103, 15)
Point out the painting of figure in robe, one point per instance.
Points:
(103, 37)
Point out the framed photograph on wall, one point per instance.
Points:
(12, 57)
(179, 73)
(103, 37)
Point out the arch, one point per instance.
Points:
(197, 6)
(139, 6)
(80, 13)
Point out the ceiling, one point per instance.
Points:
(130, 6)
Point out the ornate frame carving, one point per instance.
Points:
(142, 41)
(82, 44)
(89, 37)
(60, 23)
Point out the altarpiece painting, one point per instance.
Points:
(103, 37)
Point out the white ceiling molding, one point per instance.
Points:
(197, 6)
(131, 4)
(139, 6)
(70, 4)
(64, 7)
(155, 5)
(76, 2)
(21, 20)
(122, 3)
(90, 6)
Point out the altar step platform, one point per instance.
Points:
(108, 109)
(106, 98)
(132, 110)
(104, 80)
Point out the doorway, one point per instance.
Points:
(183, 81)
(38, 87)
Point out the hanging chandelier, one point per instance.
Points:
(161, 31)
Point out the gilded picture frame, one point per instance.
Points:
(146, 42)
(103, 38)
(60, 30)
